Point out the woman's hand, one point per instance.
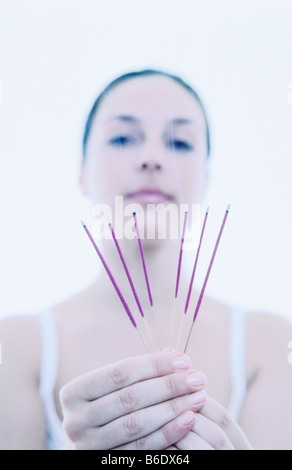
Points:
(214, 430)
(144, 402)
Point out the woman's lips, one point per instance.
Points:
(149, 196)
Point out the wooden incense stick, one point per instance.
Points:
(131, 283)
(125, 305)
(192, 278)
(146, 276)
(207, 277)
(178, 276)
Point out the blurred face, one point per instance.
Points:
(147, 144)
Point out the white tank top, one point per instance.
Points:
(56, 437)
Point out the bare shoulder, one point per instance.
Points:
(20, 344)
(269, 338)
(269, 387)
(22, 421)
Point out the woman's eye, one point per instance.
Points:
(181, 145)
(121, 141)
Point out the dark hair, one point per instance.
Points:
(129, 76)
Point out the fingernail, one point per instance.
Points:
(182, 362)
(197, 398)
(186, 419)
(196, 379)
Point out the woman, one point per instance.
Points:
(82, 363)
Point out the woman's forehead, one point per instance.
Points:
(154, 99)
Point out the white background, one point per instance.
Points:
(56, 55)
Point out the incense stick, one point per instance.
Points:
(196, 262)
(131, 282)
(178, 275)
(192, 278)
(207, 276)
(146, 276)
(125, 305)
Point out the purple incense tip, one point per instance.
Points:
(143, 260)
(126, 269)
(110, 275)
(180, 255)
(211, 264)
(196, 262)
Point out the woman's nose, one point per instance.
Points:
(150, 167)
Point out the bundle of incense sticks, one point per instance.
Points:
(123, 301)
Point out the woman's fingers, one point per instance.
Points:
(193, 442)
(123, 373)
(135, 426)
(164, 437)
(212, 434)
(144, 422)
(217, 414)
(143, 395)
(214, 430)
(130, 400)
